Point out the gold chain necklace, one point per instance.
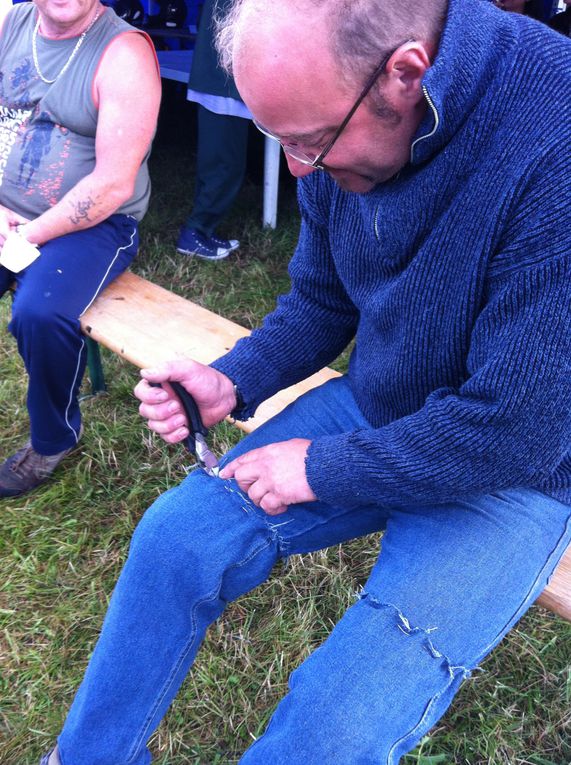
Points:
(78, 45)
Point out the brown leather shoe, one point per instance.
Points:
(27, 469)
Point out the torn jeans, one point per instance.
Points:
(451, 580)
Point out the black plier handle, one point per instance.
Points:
(196, 440)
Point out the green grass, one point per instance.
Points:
(62, 547)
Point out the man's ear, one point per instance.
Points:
(405, 71)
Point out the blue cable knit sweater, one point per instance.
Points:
(455, 280)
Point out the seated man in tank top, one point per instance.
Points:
(74, 183)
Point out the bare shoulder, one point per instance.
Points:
(132, 54)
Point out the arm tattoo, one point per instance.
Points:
(81, 211)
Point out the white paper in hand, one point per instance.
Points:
(17, 253)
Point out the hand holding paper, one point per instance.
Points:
(17, 253)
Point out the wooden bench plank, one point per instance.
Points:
(147, 324)
(557, 595)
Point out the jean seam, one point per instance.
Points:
(404, 625)
(426, 714)
(141, 737)
(326, 521)
(282, 543)
(557, 551)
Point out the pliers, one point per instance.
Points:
(196, 440)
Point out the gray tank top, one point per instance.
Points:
(47, 132)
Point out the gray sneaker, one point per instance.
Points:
(27, 469)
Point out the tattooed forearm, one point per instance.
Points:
(81, 210)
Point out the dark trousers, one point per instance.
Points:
(51, 294)
(220, 168)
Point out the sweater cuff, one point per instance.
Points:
(331, 477)
(243, 410)
(255, 384)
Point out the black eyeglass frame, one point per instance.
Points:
(317, 163)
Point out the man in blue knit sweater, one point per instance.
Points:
(438, 238)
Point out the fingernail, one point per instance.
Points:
(173, 406)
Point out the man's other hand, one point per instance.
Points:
(9, 221)
(274, 475)
(212, 391)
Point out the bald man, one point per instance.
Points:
(435, 233)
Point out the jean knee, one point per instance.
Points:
(199, 533)
(368, 694)
(186, 523)
(161, 530)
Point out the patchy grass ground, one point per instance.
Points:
(62, 547)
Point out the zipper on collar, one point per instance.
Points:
(421, 138)
(434, 129)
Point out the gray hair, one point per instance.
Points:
(362, 31)
(224, 32)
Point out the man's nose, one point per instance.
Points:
(298, 169)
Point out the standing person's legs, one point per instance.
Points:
(199, 546)
(451, 580)
(50, 297)
(220, 168)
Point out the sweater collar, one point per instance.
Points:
(472, 40)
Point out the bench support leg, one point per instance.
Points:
(95, 367)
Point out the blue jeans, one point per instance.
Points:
(452, 579)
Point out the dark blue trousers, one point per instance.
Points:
(220, 168)
(51, 295)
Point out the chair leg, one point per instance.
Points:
(95, 367)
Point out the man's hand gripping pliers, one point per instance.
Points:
(196, 440)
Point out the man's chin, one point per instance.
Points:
(356, 183)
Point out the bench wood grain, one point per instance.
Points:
(146, 324)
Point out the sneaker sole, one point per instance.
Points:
(8, 493)
(192, 253)
(232, 246)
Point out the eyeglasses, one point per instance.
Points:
(317, 160)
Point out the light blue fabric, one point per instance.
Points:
(451, 580)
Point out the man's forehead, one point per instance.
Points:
(286, 73)
(292, 110)
(285, 55)
(281, 29)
